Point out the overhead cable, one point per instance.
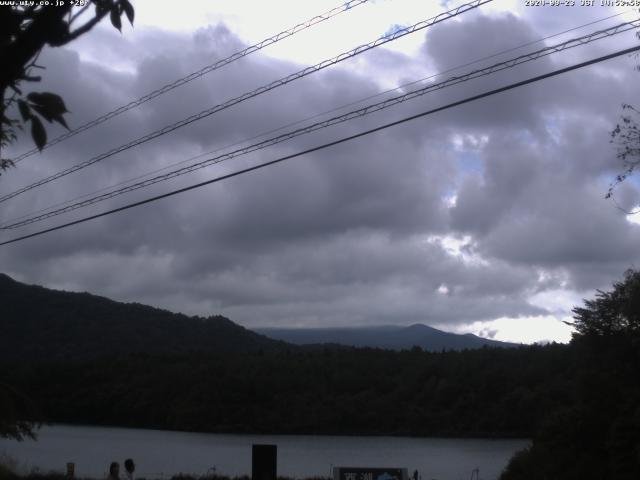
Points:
(572, 43)
(265, 88)
(331, 144)
(203, 71)
(306, 119)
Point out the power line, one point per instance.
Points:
(265, 88)
(297, 122)
(585, 39)
(203, 71)
(333, 143)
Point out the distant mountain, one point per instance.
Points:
(389, 337)
(37, 323)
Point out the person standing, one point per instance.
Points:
(114, 471)
(129, 467)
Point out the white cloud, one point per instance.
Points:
(463, 248)
(529, 329)
(557, 301)
(634, 218)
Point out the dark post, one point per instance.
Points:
(71, 469)
(264, 462)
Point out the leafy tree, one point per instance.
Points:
(626, 136)
(614, 312)
(24, 31)
(598, 435)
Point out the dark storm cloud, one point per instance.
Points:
(361, 233)
(458, 43)
(399, 275)
(539, 199)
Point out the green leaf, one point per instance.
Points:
(60, 119)
(24, 110)
(115, 18)
(44, 113)
(50, 118)
(50, 102)
(128, 10)
(101, 7)
(49, 106)
(38, 133)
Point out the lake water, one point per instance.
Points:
(160, 454)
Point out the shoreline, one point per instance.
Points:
(479, 436)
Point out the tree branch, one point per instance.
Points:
(78, 13)
(29, 43)
(85, 28)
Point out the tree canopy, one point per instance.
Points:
(626, 135)
(24, 31)
(614, 312)
(597, 435)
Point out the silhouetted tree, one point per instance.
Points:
(24, 31)
(626, 135)
(614, 312)
(598, 435)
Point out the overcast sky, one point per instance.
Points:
(487, 218)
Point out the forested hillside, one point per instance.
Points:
(82, 358)
(579, 402)
(42, 324)
(485, 392)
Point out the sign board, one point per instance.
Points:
(365, 473)
(264, 462)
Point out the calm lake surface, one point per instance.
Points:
(159, 454)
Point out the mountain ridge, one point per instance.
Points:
(39, 323)
(383, 336)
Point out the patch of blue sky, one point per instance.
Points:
(634, 179)
(470, 162)
(450, 197)
(553, 129)
(393, 29)
(608, 178)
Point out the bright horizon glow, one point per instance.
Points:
(533, 329)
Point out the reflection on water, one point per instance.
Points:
(161, 454)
